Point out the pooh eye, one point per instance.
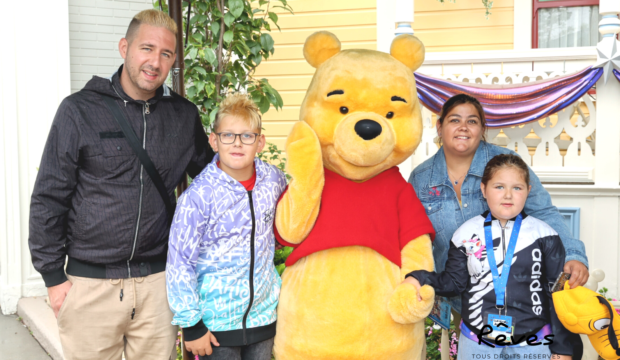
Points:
(389, 115)
(601, 324)
(344, 110)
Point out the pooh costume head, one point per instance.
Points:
(583, 311)
(356, 224)
(363, 104)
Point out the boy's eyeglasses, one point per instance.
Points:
(229, 138)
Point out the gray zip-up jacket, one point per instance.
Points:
(92, 199)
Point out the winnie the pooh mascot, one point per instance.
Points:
(356, 224)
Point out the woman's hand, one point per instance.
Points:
(413, 281)
(578, 273)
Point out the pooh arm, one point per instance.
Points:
(450, 282)
(417, 255)
(299, 206)
(404, 306)
(417, 261)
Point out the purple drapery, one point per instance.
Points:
(510, 105)
(617, 74)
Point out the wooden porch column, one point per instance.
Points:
(607, 167)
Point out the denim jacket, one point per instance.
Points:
(434, 189)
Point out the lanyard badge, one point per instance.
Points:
(501, 324)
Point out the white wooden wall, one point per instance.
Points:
(95, 28)
(33, 81)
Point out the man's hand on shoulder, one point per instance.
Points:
(58, 294)
(202, 346)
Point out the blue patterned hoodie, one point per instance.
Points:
(220, 273)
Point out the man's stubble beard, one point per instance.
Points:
(134, 77)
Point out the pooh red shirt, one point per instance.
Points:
(382, 213)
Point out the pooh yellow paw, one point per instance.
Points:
(404, 306)
(305, 157)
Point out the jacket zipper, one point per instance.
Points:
(504, 250)
(145, 112)
(247, 312)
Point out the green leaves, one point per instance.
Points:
(210, 56)
(198, 37)
(486, 3)
(254, 47)
(193, 52)
(266, 42)
(274, 17)
(211, 72)
(201, 70)
(229, 18)
(215, 27)
(235, 7)
(264, 105)
(228, 36)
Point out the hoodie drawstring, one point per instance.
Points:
(133, 286)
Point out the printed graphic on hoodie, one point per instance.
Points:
(474, 249)
(208, 270)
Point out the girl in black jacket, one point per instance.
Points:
(507, 309)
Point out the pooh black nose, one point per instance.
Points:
(368, 129)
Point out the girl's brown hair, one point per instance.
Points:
(460, 99)
(504, 161)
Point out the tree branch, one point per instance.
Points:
(220, 50)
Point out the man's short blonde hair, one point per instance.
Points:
(240, 106)
(150, 17)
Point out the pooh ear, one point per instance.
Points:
(320, 46)
(409, 50)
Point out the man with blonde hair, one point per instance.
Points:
(104, 197)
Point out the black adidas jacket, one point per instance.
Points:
(92, 199)
(538, 260)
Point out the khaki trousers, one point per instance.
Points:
(95, 324)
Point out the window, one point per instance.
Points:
(565, 23)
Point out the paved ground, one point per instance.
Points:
(16, 343)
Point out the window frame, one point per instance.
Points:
(537, 5)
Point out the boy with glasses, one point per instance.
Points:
(222, 285)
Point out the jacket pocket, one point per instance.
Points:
(117, 155)
(82, 215)
(99, 223)
(69, 296)
(433, 206)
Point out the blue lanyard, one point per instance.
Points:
(500, 282)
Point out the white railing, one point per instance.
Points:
(559, 148)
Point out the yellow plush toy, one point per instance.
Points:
(356, 223)
(583, 311)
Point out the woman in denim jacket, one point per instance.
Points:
(448, 185)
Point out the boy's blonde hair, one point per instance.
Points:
(240, 106)
(150, 17)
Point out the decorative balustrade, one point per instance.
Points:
(559, 148)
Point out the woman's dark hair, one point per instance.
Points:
(460, 99)
(503, 161)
